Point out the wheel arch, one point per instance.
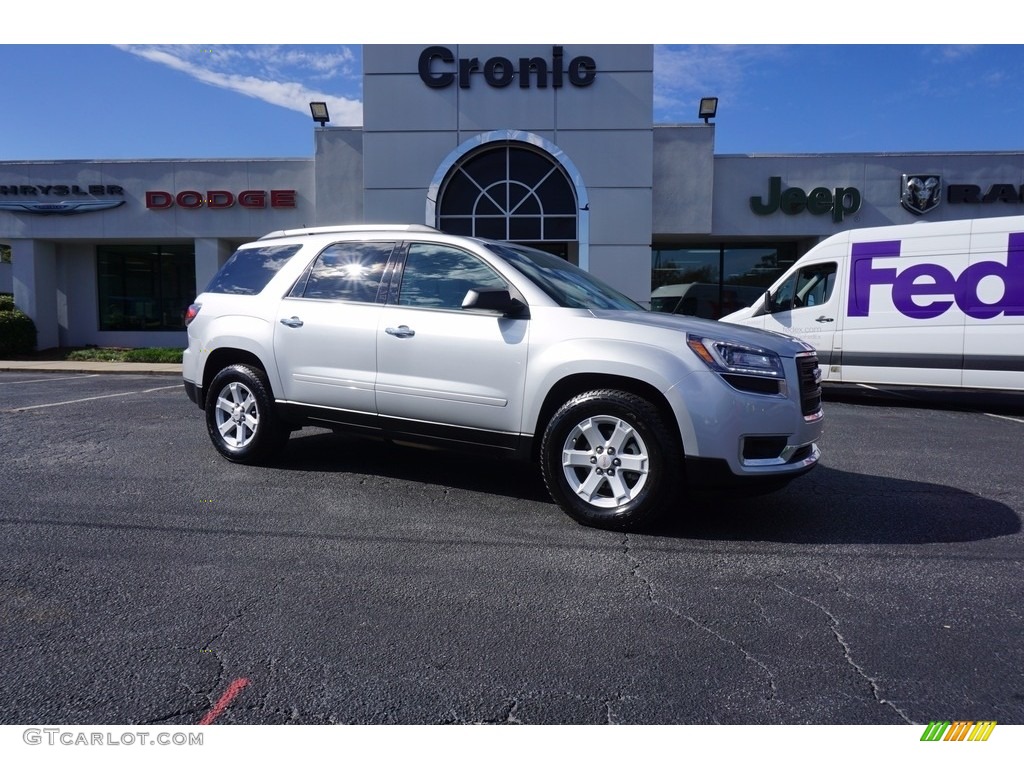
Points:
(576, 384)
(222, 357)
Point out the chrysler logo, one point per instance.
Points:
(64, 207)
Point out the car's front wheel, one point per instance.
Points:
(240, 416)
(610, 460)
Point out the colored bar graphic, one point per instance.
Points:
(935, 730)
(982, 730)
(958, 730)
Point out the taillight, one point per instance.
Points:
(191, 312)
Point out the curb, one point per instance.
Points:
(58, 366)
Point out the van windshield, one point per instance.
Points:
(566, 284)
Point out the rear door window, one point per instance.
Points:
(345, 272)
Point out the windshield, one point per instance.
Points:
(567, 285)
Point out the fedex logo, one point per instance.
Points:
(924, 291)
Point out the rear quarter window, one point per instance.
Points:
(249, 270)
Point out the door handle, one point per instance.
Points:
(823, 319)
(402, 331)
(291, 322)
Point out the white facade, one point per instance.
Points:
(54, 255)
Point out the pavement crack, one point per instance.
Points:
(876, 691)
(649, 588)
(235, 618)
(635, 570)
(213, 646)
(190, 713)
(510, 715)
(609, 716)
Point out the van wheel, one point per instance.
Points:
(610, 460)
(240, 416)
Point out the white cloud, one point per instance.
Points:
(278, 70)
(957, 52)
(683, 74)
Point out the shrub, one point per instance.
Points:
(122, 355)
(153, 355)
(6, 302)
(107, 355)
(17, 332)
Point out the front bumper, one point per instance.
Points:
(716, 474)
(731, 436)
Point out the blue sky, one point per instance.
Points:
(114, 99)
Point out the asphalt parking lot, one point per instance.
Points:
(356, 582)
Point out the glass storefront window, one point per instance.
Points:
(712, 282)
(684, 281)
(145, 287)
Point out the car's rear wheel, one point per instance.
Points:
(240, 416)
(610, 460)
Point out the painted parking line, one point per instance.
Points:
(86, 399)
(59, 378)
(1008, 418)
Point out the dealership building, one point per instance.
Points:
(548, 145)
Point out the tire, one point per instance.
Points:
(585, 447)
(241, 418)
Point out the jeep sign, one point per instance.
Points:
(840, 202)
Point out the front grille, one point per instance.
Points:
(809, 376)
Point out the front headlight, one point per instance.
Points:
(736, 358)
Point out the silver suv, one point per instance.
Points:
(410, 334)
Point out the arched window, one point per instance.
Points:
(509, 191)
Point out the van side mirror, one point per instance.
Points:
(493, 299)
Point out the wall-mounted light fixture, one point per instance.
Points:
(708, 107)
(320, 113)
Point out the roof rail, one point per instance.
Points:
(349, 228)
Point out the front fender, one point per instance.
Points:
(651, 365)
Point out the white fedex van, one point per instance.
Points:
(936, 304)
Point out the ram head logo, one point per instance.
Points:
(921, 192)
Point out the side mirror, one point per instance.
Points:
(766, 304)
(494, 300)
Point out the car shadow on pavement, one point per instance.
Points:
(319, 451)
(826, 506)
(830, 506)
(999, 402)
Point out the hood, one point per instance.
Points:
(780, 343)
(739, 315)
